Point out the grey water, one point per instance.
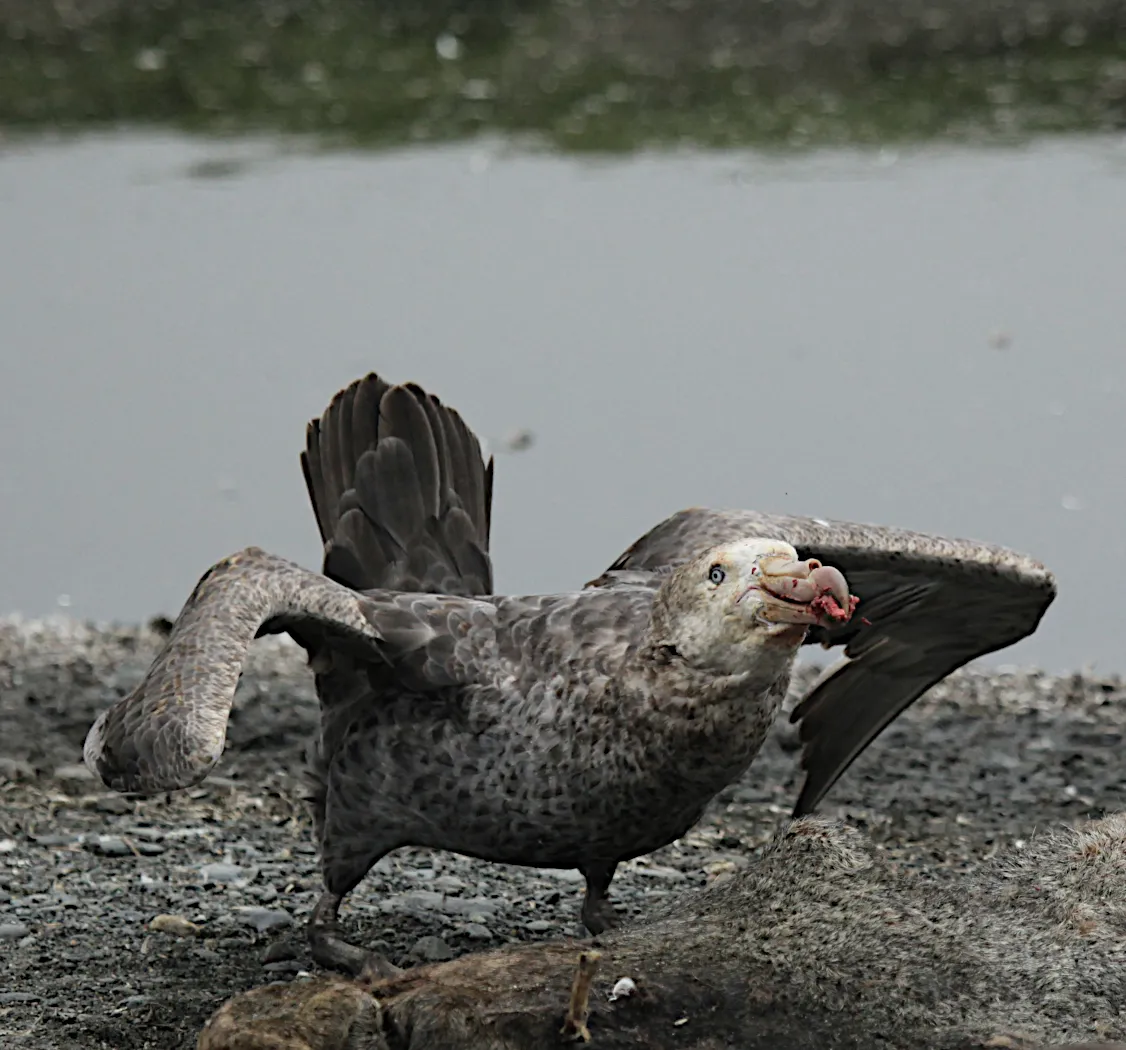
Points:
(934, 339)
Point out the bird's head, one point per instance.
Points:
(721, 610)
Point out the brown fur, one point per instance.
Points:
(817, 944)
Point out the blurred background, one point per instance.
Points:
(860, 259)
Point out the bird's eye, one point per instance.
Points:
(716, 574)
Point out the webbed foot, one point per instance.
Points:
(330, 950)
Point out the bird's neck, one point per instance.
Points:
(661, 680)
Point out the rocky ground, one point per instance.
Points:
(124, 923)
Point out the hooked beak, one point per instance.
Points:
(802, 592)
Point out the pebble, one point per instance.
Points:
(538, 926)
(18, 997)
(134, 1000)
(431, 949)
(73, 771)
(655, 871)
(113, 804)
(448, 884)
(237, 943)
(56, 840)
(416, 900)
(176, 925)
(16, 769)
(227, 874)
(279, 951)
(475, 909)
(264, 919)
(476, 931)
(13, 931)
(285, 966)
(109, 846)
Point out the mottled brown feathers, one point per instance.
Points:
(568, 730)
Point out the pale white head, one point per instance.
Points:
(722, 610)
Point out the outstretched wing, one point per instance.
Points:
(170, 731)
(928, 605)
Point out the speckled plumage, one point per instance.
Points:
(565, 730)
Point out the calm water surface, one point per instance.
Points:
(935, 340)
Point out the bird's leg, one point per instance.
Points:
(333, 952)
(598, 913)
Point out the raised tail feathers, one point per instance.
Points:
(401, 491)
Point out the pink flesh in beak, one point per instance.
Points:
(807, 592)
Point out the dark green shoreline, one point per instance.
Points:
(580, 75)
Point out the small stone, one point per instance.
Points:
(148, 849)
(55, 840)
(109, 846)
(237, 943)
(475, 909)
(176, 925)
(287, 966)
(656, 871)
(16, 769)
(431, 949)
(228, 874)
(134, 1000)
(565, 875)
(448, 884)
(18, 997)
(146, 834)
(75, 772)
(113, 804)
(13, 931)
(537, 926)
(264, 919)
(279, 951)
(477, 932)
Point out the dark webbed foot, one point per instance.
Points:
(333, 952)
(598, 913)
(600, 917)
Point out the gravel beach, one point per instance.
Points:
(228, 870)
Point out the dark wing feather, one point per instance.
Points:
(170, 731)
(401, 492)
(932, 605)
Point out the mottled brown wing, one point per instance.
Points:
(171, 730)
(928, 605)
(401, 492)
